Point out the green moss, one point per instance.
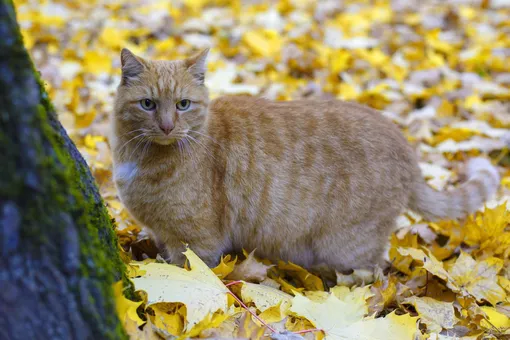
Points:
(99, 257)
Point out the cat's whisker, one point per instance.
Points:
(200, 143)
(129, 141)
(189, 150)
(195, 153)
(138, 144)
(206, 136)
(180, 150)
(146, 147)
(130, 132)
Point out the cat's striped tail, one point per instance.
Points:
(483, 181)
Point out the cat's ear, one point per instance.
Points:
(197, 65)
(131, 65)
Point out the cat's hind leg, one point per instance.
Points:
(356, 247)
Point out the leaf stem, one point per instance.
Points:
(259, 319)
(308, 331)
(252, 313)
(233, 283)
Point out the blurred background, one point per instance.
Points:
(438, 69)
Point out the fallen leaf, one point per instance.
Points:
(359, 277)
(478, 278)
(168, 318)
(430, 263)
(135, 333)
(435, 314)
(399, 261)
(495, 319)
(489, 230)
(307, 279)
(126, 309)
(199, 289)
(345, 319)
(384, 292)
(249, 270)
(265, 297)
(225, 267)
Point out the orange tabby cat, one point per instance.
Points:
(310, 181)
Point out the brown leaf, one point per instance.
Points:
(249, 270)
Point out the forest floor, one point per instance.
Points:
(440, 70)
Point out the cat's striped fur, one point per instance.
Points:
(310, 181)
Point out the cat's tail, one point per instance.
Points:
(483, 181)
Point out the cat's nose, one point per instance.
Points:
(166, 127)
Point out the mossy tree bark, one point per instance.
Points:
(58, 253)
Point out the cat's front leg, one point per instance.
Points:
(211, 257)
(171, 252)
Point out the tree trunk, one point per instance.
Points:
(58, 252)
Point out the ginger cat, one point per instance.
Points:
(309, 181)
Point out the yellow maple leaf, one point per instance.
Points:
(478, 278)
(456, 134)
(96, 62)
(494, 319)
(446, 109)
(344, 318)
(339, 61)
(488, 230)
(433, 39)
(248, 329)
(113, 37)
(358, 277)
(225, 267)
(285, 286)
(266, 43)
(126, 309)
(168, 318)
(250, 269)
(265, 297)
(307, 279)
(399, 261)
(210, 321)
(135, 333)
(384, 292)
(272, 314)
(430, 263)
(199, 289)
(456, 235)
(435, 314)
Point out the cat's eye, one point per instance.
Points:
(183, 105)
(147, 104)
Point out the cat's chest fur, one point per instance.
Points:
(161, 195)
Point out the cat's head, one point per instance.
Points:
(162, 99)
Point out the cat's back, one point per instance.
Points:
(309, 137)
(302, 121)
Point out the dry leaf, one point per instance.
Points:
(478, 278)
(265, 297)
(430, 263)
(199, 289)
(225, 267)
(126, 309)
(249, 270)
(435, 314)
(344, 318)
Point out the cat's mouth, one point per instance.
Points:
(164, 140)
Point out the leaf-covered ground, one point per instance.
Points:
(439, 69)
